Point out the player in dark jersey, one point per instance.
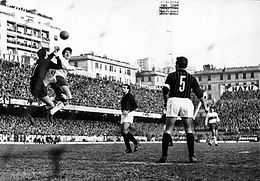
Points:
(176, 92)
(39, 83)
(128, 105)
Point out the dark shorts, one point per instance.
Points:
(56, 86)
(38, 91)
(213, 126)
(61, 81)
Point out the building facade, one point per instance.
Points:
(151, 79)
(95, 66)
(144, 63)
(217, 81)
(23, 32)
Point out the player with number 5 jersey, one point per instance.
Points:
(177, 94)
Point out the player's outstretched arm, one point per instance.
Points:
(55, 51)
(56, 66)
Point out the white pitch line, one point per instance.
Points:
(200, 163)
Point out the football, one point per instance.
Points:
(64, 35)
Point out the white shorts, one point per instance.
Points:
(129, 118)
(182, 107)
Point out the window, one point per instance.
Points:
(252, 75)
(157, 79)
(229, 76)
(96, 65)
(221, 76)
(209, 87)
(236, 75)
(100, 66)
(149, 78)
(209, 96)
(199, 77)
(142, 79)
(111, 68)
(75, 64)
(244, 75)
(120, 71)
(105, 67)
(128, 72)
(209, 77)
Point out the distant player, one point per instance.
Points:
(177, 94)
(39, 82)
(212, 120)
(128, 105)
(61, 87)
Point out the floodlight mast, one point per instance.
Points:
(169, 8)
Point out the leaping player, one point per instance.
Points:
(39, 82)
(60, 87)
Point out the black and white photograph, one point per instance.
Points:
(129, 90)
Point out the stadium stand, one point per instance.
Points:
(15, 78)
(238, 111)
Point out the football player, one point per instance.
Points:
(128, 105)
(212, 121)
(61, 87)
(177, 94)
(38, 81)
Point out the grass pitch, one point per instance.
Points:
(229, 161)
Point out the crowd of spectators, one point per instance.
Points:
(237, 110)
(91, 92)
(14, 80)
(22, 125)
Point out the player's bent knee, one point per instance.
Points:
(64, 98)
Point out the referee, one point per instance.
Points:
(128, 105)
(177, 94)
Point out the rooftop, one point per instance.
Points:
(32, 11)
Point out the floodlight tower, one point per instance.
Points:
(169, 8)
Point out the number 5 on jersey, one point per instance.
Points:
(182, 83)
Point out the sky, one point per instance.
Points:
(223, 33)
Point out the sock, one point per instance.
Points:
(190, 142)
(165, 143)
(126, 140)
(131, 138)
(215, 140)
